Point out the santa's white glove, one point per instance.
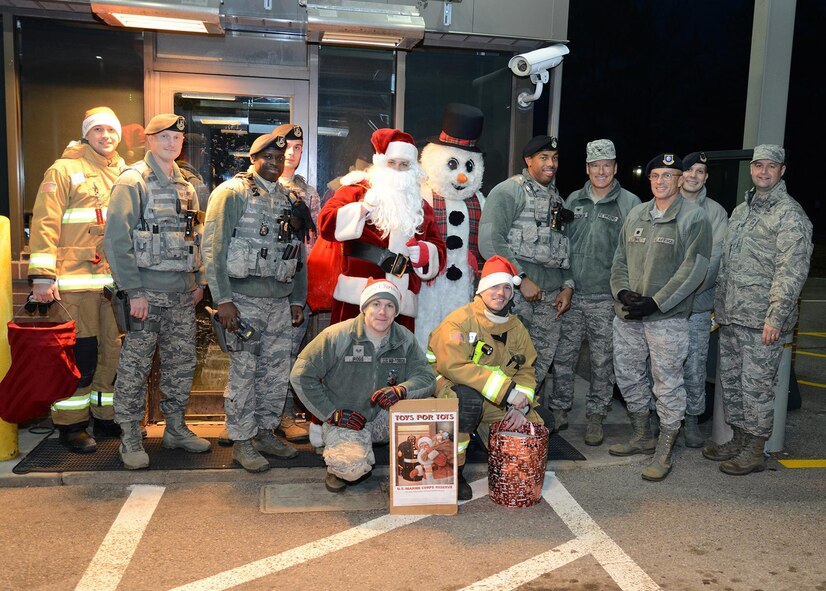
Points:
(418, 253)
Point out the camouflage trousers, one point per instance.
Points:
(175, 339)
(543, 327)
(665, 342)
(96, 354)
(748, 372)
(257, 384)
(349, 454)
(699, 327)
(590, 317)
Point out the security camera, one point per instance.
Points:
(540, 60)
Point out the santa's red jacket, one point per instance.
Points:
(343, 219)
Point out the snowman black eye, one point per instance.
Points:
(453, 164)
(469, 165)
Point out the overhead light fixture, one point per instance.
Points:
(182, 16)
(345, 22)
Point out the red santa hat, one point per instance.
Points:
(380, 289)
(425, 439)
(392, 143)
(100, 116)
(498, 270)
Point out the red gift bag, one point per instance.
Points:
(43, 368)
(516, 464)
(324, 265)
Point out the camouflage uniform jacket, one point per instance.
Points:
(66, 241)
(718, 218)
(594, 235)
(341, 368)
(665, 259)
(227, 205)
(503, 207)
(765, 262)
(124, 216)
(454, 345)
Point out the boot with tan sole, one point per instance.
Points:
(660, 466)
(750, 459)
(727, 450)
(132, 454)
(641, 441)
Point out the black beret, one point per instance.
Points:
(289, 131)
(665, 160)
(262, 142)
(160, 123)
(690, 160)
(538, 144)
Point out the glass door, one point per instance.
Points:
(224, 117)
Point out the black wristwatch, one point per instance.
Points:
(522, 277)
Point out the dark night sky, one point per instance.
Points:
(672, 76)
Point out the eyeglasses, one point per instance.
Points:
(665, 176)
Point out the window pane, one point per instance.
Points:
(478, 78)
(355, 97)
(66, 69)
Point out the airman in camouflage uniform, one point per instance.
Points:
(255, 268)
(600, 208)
(765, 262)
(152, 242)
(661, 259)
(693, 189)
(523, 221)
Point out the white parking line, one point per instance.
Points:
(112, 558)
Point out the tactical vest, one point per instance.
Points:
(262, 243)
(532, 236)
(168, 237)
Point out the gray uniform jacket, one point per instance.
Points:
(765, 262)
(341, 368)
(594, 235)
(502, 209)
(665, 259)
(718, 218)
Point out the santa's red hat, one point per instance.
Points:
(380, 289)
(498, 270)
(426, 440)
(392, 143)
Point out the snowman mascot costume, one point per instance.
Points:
(454, 166)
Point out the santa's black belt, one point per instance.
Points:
(389, 261)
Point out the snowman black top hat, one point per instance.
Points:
(461, 127)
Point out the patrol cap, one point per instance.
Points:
(262, 142)
(665, 160)
(169, 121)
(600, 150)
(771, 152)
(690, 160)
(538, 144)
(380, 289)
(289, 131)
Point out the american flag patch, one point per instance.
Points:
(457, 337)
(48, 187)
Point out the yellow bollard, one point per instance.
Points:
(8, 432)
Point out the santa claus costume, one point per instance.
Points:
(454, 166)
(387, 230)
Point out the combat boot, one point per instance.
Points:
(334, 484)
(593, 430)
(560, 419)
(76, 439)
(750, 459)
(176, 435)
(132, 454)
(641, 441)
(293, 430)
(691, 432)
(268, 444)
(245, 454)
(655, 424)
(660, 466)
(727, 450)
(464, 489)
(104, 429)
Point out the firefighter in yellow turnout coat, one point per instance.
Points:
(67, 263)
(483, 355)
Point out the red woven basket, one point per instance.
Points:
(516, 464)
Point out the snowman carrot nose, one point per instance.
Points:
(461, 178)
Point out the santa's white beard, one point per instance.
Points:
(397, 199)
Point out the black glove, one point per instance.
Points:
(388, 396)
(628, 297)
(642, 308)
(566, 216)
(349, 419)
